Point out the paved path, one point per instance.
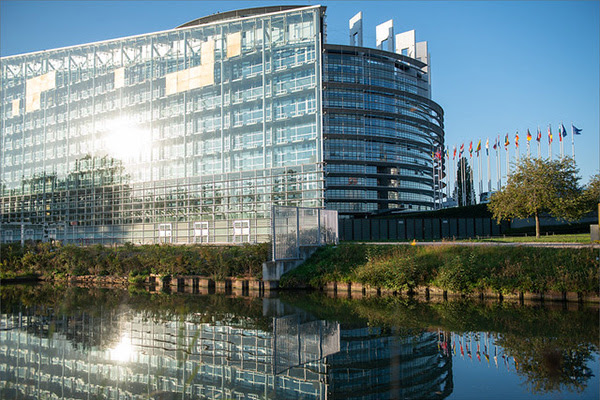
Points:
(524, 244)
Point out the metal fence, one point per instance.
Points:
(294, 227)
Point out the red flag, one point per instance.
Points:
(539, 135)
(454, 155)
(517, 140)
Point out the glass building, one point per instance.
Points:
(191, 135)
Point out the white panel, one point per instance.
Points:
(119, 78)
(406, 40)
(234, 44)
(171, 83)
(356, 30)
(35, 86)
(385, 32)
(422, 52)
(16, 105)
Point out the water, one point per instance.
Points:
(117, 344)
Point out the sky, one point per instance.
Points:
(497, 67)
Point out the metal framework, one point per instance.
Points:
(295, 227)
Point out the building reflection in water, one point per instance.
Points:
(137, 355)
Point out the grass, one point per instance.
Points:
(583, 238)
(463, 269)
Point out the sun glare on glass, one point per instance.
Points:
(126, 141)
(122, 351)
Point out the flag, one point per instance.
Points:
(539, 135)
(447, 153)
(528, 135)
(549, 134)
(454, 155)
(487, 147)
(462, 149)
(471, 147)
(560, 133)
(575, 131)
(495, 144)
(478, 146)
(517, 140)
(564, 130)
(506, 142)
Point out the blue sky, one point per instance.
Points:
(498, 67)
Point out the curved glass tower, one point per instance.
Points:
(380, 130)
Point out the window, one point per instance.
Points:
(200, 232)
(165, 233)
(241, 231)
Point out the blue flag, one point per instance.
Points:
(564, 131)
(576, 131)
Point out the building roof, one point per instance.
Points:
(235, 14)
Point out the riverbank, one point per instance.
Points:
(480, 270)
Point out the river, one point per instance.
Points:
(92, 343)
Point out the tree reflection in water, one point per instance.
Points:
(551, 364)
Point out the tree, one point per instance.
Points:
(465, 195)
(591, 194)
(540, 186)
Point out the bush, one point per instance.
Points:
(54, 260)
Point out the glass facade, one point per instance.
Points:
(193, 134)
(380, 130)
(144, 139)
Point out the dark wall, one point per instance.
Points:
(419, 228)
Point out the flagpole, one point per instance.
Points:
(471, 180)
(489, 175)
(463, 185)
(539, 140)
(507, 161)
(480, 179)
(455, 173)
(447, 176)
(573, 140)
(517, 151)
(560, 135)
(439, 174)
(528, 146)
(433, 174)
(499, 165)
(549, 142)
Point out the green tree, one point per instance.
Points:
(591, 194)
(539, 186)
